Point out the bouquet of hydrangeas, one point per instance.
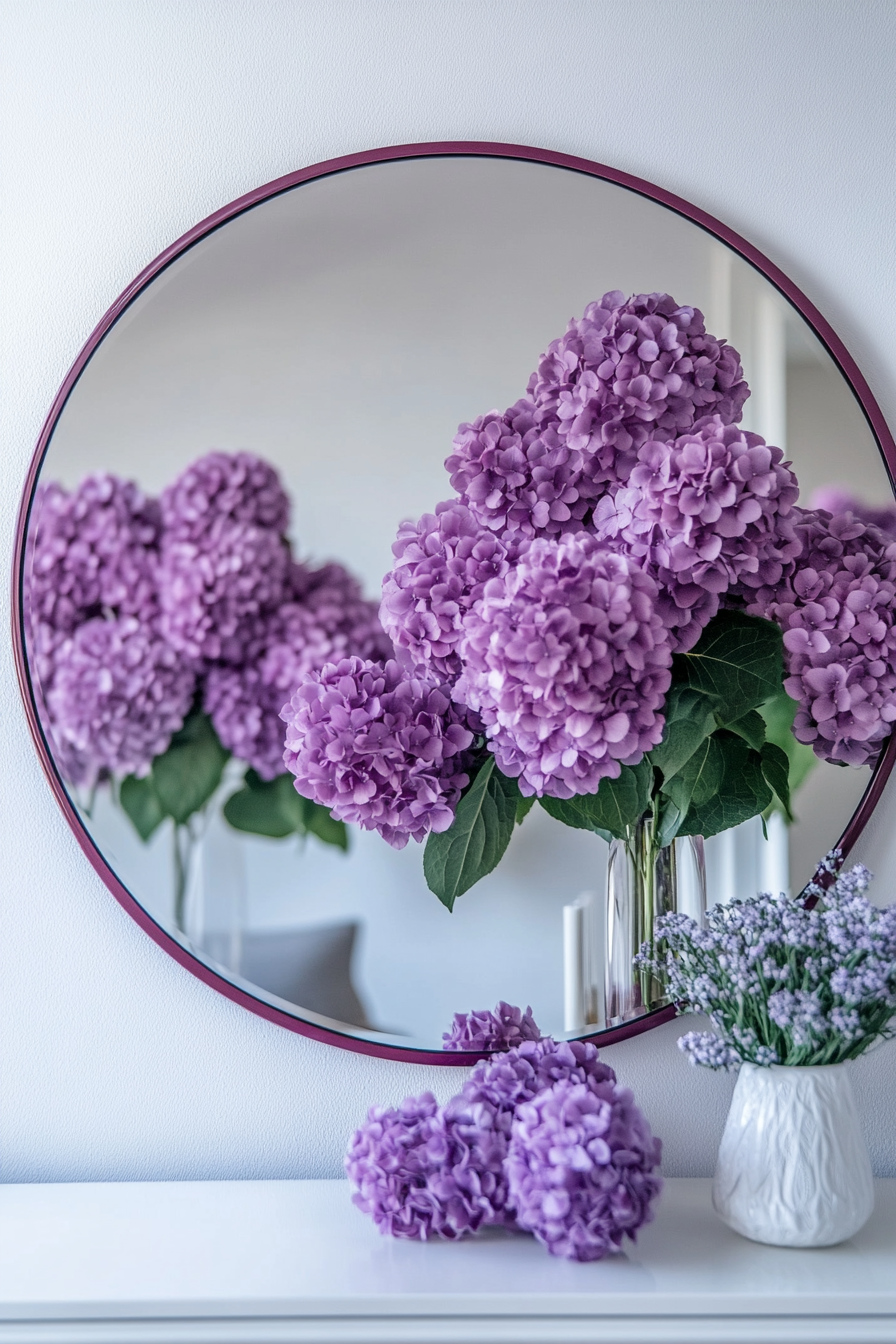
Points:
(622, 613)
(167, 634)
(541, 1138)
(783, 981)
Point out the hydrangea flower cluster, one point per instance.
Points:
(835, 499)
(783, 983)
(378, 747)
(568, 661)
(421, 1170)
(836, 611)
(138, 610)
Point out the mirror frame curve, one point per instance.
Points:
(437, 149)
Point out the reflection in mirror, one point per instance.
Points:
(289, 388)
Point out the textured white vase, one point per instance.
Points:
(793, 1168)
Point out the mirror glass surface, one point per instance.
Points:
(342, 331)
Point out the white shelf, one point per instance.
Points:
(254, 1262)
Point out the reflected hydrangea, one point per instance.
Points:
(502, 1029)
(567, 661)
(237, 487)
(119, 693)
(379, 747)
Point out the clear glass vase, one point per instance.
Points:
(643, 882)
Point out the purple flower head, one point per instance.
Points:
(519, 479)
(442, 565)
(497, 1086)
(379, 747)
(567, 660)
(90, 550)
(118, 694)
(232, 487)
(836, 499)
(836, 611)
(331, 621)
(581, 1168)
(217, 589)
(485, 1030)
(417, 1173)
(632, 370)
(706, 512)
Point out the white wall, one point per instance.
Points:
(125, 124)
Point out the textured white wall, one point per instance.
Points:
(126, 122)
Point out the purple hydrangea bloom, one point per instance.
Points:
(520, 479)
(581, 1168)
(442, 565)
(216, 590)
(90, 550)
(332, 621)
(502, 1029)
(238, 487)
(567, 661)
(836, 611)
(378, 747)
(118, 694)
(632, 370)
(418, 1173)
(836, 499)
(707, 512)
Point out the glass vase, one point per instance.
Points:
(644, 881)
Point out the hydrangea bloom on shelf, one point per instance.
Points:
(780, 982)
(836, 611)
(378, 747)
(568, 662)
(581, 1168)
(421, 1170)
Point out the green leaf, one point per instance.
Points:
(776, 769)
(742, 792)
(474, 844)
(690, 718)
(186, 776)
(779, 713)
(320, 821)
(141, 803)
(737, 661)
(523, 808)
(751, 727)
(273, 808)
(668, 821)
(700, 778)
(614, 809)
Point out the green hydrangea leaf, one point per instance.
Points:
(189, 772)
(454, 860)
(140, 801)
(614, 809)
(738, 662)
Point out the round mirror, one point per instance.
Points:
(337, 327)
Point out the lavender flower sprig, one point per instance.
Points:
(783, 983)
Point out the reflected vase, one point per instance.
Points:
(793, 1168)
(645, 881)
(210, 899)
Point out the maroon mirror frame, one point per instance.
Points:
(439, 149)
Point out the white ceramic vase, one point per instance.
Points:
(793, 1168)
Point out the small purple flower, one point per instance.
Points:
(378, 747)
(236, 487)
(632, 370)
(118, 694)
(331, 621)
(418, 1174)
(502, 1029)
(567, 660)
(217, 588)
(704, 513)
(836, 611)
(90, 550)
(581, 1168)
(442, 565)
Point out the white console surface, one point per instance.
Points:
(262, 1261)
